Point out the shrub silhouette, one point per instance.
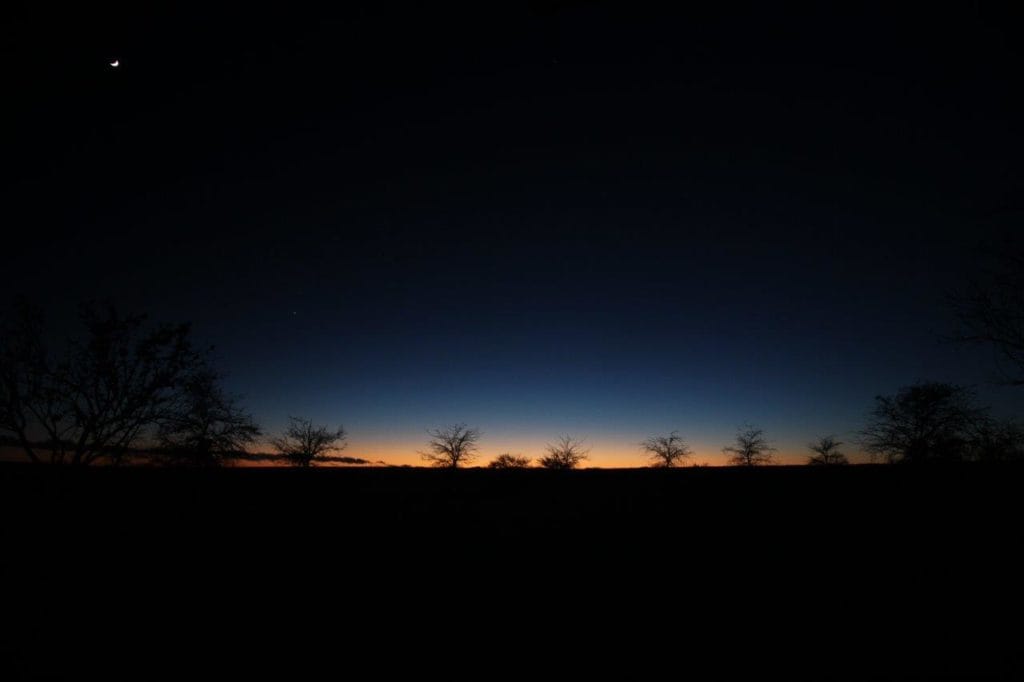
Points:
(509, 461)
(565, 453)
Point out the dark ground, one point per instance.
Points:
(477, 573)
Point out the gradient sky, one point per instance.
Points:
(533, 218)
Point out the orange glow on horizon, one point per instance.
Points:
(611, 454)
(607, 453)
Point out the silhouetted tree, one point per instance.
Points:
(207, 426)
(751, 448)
(565, 453)
(304, 443)
(998, 441)
(102, 394)
(509, 461)
(667, 451)
(826, 452)
(923, 422)
(24, 371)
(991, 311)
(452, 446)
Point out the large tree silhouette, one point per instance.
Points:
(565, 453)
(304, 443)
(923, 422)
(208, 426)
(452, 446)
(750, 448)
(667, 451)
(101, 395)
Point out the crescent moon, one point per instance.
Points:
(116, 63)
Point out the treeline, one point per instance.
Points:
(123, 386)
(926, 422)
(119, 387)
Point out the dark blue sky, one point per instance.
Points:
(535, 220)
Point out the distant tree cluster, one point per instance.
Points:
(455, 445)
(937, 422)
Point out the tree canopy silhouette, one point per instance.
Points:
(991, 311)
(24, 370)
(826, 452)
(452, 446)
(509, 461)
(923, 422)
(750, 448)
(998, 441)
(667, 451)
(208, 426)
(102, 394)
(304, 443)
(565, 453)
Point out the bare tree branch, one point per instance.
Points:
(112, 386)
(991, 312)
(667, 451)
(826, 452)
(751, 448)
(304, 443)
(923, 422)
(452, 446)
(565, 453)
(206, 426)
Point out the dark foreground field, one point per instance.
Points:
(638, 573)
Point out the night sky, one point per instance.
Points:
(536, 219)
